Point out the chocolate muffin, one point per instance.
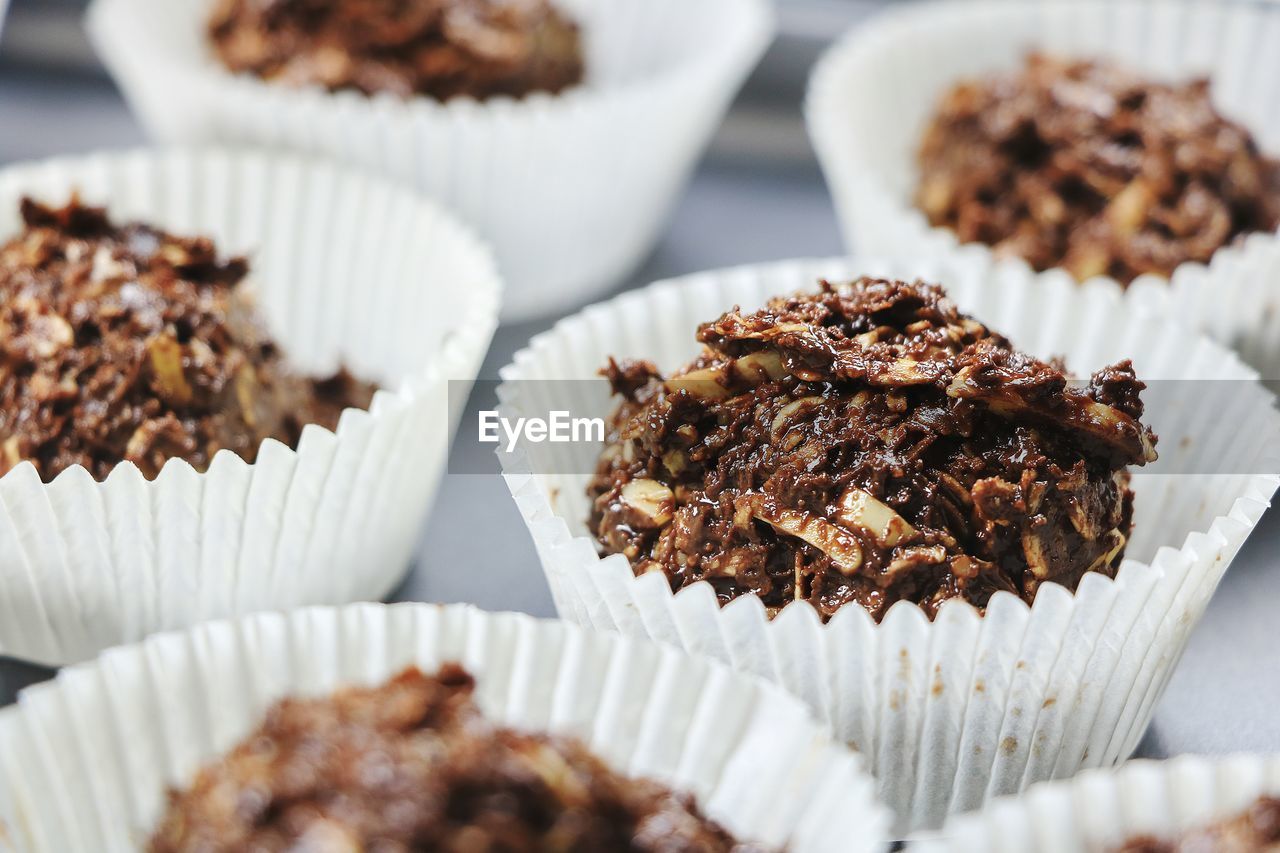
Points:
(1089, 167)
(413, 765)
(867, 444)
(1257, 830)
(438, 48)
(126, 343)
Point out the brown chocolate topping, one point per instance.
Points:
(869, 444)
(413, 765)
(1256, 830)
(438, 48)
(1087, 166)
(125, 343)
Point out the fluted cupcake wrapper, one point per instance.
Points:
(870, 98)
(1100, 810)
(570, 189)
(85, 761)
(345, 270)
(952, 711)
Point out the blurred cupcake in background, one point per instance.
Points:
(1188, 804)
(125, 343)
(562, 132)
(1093, 168)
(465, 48)
(426, 728)
(224, 388)
(1127, 141)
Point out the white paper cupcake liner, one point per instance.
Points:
(871, 96)
(571, 190)
(953, 711)
(346, 270)
(1098, 811)
(85, 761)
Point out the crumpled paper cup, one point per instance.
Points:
(85, 761)
(870, 98)
(570, 189)
(952, 711)
(346, 270)
(1100, 810)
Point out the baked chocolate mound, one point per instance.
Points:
(867, 444)
(1257, 830)
(125, 343)
(438, 48)
(413, 765)
(1086, 166)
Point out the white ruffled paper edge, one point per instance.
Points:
(1100, 810)
(870, 95)
(571, 190)
(966, 707)
(86, 760)
(345, 270)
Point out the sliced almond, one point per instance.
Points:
(1085, 263)
(905, 371)
(707, 383)
(165, 355)
(1129, 207)
(759, 367)
(651, 499)
(788, 412)
(46, 332)
(935, 196)
(712, 383)
(783, 329)
(727, 565)
(1037, 556)
(1105, 417)
(841, 546)
(1115, 542)
(247, 394)
(921, 555)
(875, 336)
(570, 788)
(861, 511)
(964, 566)
(956, 489)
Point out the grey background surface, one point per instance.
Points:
(757, 196)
